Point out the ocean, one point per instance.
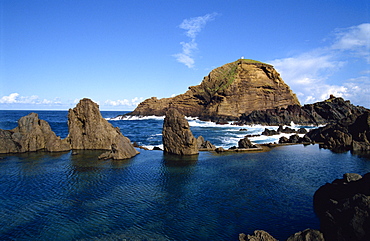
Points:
(60, 196)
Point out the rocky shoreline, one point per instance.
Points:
(88, 130)
(343, 208)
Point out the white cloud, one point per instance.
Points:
(355, 39)
(309, 74)
(15, 98)
(193, 26)
(125, 102)
(307, 68)
(12, 98)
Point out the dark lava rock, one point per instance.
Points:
(268, 132)
(348, 134)
(319, 113)
(245, 143)
(219, 149)
(344, 208)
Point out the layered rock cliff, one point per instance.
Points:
(226, 93)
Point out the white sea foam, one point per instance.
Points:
(151, 147)
(137, 118)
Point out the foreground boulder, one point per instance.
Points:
(177, 136)
(343, 207)
(226, 93)
(31, 134)
(88, 130)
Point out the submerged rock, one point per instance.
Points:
(31, 134)
(88, 130)
(177, 136)
(259, 235)
(307, 235)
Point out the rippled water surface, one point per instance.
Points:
(153, 196)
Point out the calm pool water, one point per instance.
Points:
(62, 196)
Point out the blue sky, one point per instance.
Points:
(118, 53)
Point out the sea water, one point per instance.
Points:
(60, 196)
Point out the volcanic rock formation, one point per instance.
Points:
(226, 93)
(88, 130)
(351, 133)
(177, 136)
(343, 207)
(31, 134)
(319, 113)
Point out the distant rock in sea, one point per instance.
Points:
(31, 134)
(177, 136)
(226, 93)
(88, 130)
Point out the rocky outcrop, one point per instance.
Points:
(259, 235)
(294, 139)
(226, 93)
(204, 145)
(343, 207)
(245, 143)
(347, 134)
(177, 136)
(88, 130)
(31, 134)
(307, 235)
(320, 113)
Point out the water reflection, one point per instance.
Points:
(171, 160)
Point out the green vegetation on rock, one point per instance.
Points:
(251, 61)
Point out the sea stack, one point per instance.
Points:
(226, 93)
(177, 136)
(88, 130)
(31, 134)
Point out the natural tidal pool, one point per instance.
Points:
(152, 196)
